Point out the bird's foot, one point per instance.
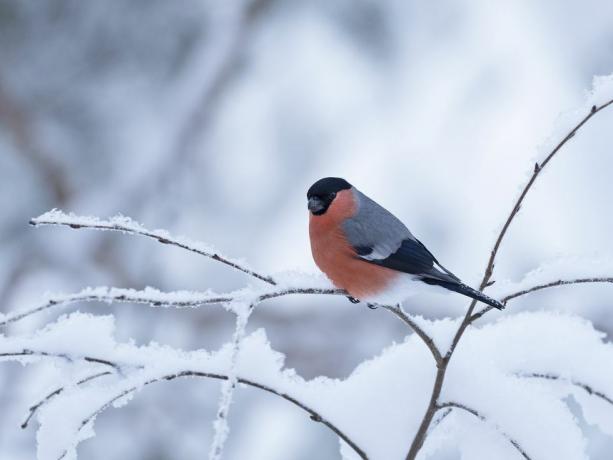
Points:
(372, 306)
(352, 299)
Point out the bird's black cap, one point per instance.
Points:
(328, 186)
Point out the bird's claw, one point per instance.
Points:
(372, 306)
(352, 299)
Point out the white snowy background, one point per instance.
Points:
(212, 120)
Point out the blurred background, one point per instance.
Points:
(211, 119)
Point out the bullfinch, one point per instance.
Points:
(367, 251)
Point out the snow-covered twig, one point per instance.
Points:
(314, 415)
(584, 386)
(149, 296)
(229, 385)
(514, 443)
(63, 356)
(127, 225)
(155, 298)
(400, 313)
(540, 287)
(32, 409)
(437, 386)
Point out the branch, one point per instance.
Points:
(514, 443)
(64, 356)
(399, 312)
(155, 298)
(422, 431)
(185, 299)
(126, 225)
(538, 168)
(587, 388)
(540, 287)
(314, 415)
(149, 296)
(32, 410)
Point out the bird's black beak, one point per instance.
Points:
(316, 205)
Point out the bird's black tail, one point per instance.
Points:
(461, 288)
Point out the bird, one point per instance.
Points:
(369, 253)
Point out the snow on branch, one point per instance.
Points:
(126, 225)
(599, 99)
(483, 418)
(379, 391)
(528, 412)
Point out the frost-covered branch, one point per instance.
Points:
(514, 443)
(148, 296)
(127, 225)
(314, 415)
(584, 386)
(400, 313)
(63, 356)
(486, 281)
(538, 168)
(156, 298)
(32, 409)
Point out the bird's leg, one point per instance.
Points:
(372, 306)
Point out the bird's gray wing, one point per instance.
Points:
(381, 238)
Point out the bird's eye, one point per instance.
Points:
(332, 195)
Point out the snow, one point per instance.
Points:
(490, 373)
(221, 426)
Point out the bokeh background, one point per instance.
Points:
(211, 119)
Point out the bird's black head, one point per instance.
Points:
(322, 193)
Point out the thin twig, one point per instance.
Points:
(154, 298)
(64, 356)
(32, 410)
(587, 388)
(540, 287)
(538, 168)
(124, 225)
(514, 443)
(110, 295)
(422, 431)
(314, 415)
(400, 313)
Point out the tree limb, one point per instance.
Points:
(314, 415)
(514, 443)
(540, 287)
(32, 410)
(584, 386)
(125, 225)
(422, 432)
(400, 313)
(64, 356)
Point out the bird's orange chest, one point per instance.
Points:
(336, 257)
(328, 241)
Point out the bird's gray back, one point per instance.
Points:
(373, 230)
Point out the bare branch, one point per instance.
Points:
(126, 225)
(540, 287)
(514, 443)
(32, 410)
(537, 171)
(422, 431)
(399, 312)
(587, 388)
(314, 415)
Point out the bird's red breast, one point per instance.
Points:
(335, 256)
